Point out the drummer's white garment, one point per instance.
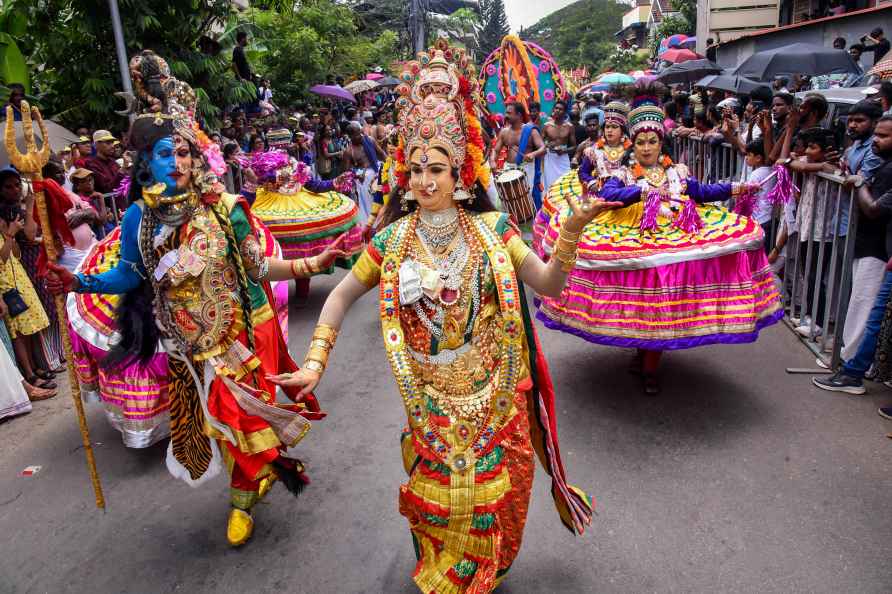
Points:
(364, 193)
(13, 399)
(493, 194)
(554, 167)
(530, 169)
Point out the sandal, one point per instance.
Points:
(44, 374)
(39, 382)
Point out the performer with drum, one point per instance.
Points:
(519, 183)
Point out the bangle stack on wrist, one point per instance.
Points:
(323, 341)
(565, 249)
(305, 267)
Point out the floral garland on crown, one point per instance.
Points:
(474, 167)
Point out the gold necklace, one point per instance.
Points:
(655, 176)
(614, 153)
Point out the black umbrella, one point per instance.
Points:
(806, 59)
(730, 82)
(685, 72)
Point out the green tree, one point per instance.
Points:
(70, 50)
(303, 47)
(582, 33)
(495, 26)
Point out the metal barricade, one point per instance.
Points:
(816, 277)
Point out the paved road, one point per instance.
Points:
(739, 478)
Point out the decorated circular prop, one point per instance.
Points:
(523, 71)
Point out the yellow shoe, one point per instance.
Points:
(266, 484)
(240, 527)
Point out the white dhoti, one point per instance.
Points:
(554, 167)
(364, 193)
(867, 276)
(13, 398)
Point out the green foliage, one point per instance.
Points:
(318, 39)
(495, 26)
(71, 53)
(688, 11)
(625, 60)
(580, 34)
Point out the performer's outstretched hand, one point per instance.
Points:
(60, 280)
(586, 210)
(304, 378)
(333, 252)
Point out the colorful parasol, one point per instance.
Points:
(883, 69)
(333, 92)
(678, 55)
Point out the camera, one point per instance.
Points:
(11, 212)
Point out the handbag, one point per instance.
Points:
(13, 299)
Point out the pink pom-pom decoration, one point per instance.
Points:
(344, 182)
(214, 158)
(651, 210)
(123, 189)
(745, 204)
(302, 174)
(544, 66)
(548, 94)
(491, 69)
(491, 97)
(784, 189)
(689, 219)
(265, 165)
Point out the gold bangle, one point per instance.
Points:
(298, 269)
(326, 333)
(313, 265)
(566, 246)
(314, 366)
(570, 235)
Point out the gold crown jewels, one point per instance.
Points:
(431, 110)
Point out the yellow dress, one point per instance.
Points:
(33, 319)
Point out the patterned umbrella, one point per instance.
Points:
(361, 86)
(883, 69)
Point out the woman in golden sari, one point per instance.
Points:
(449, 271)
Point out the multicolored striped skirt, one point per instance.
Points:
(662, 289)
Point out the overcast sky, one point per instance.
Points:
(523, 13)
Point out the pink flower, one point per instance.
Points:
(491, 69)
(544, 66)
(491, 97)
(548, 94)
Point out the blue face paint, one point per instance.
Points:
(163, 163)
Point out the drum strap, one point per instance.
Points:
(536, 182)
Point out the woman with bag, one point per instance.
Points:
(25, 317)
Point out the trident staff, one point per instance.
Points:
(30, 163)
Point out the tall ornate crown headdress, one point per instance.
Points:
(164, 103)
(439, 95)
(616, 112)
(646, 114)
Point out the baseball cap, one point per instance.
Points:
(83, 140)
(102, 136)
(65, 149)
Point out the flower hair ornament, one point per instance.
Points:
(439, 95)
